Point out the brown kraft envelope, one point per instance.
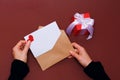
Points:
(59, 52)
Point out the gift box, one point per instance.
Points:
(81, 24)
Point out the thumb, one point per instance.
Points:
(27, 46)
(74, 55)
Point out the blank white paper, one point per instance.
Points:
(44, 39)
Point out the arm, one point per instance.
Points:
(19, 67)
(19, 70)
(94, 70)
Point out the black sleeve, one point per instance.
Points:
(96, 71)
(19, 70)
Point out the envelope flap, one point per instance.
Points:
(58, 53)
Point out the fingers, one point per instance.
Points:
(74, 54)
(78, 47)
(22, 45)
(26, 47)
(76, 51)
(70, 56)
(40, 27)
(19, 44)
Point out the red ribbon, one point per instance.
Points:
(86, 15)
(76, 30)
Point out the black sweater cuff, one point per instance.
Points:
(96, 71)
(19, 70)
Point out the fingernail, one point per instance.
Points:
(28, 41)
(71, 51)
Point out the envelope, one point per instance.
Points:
(59, 52)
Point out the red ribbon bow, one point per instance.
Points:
(76, 30)
(81, 24)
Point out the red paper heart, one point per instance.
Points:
(30, 37)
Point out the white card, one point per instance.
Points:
(44, 39)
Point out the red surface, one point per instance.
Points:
(20, 17)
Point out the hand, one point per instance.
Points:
(20, 50)
(81, 55)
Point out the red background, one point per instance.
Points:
(20, 17)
